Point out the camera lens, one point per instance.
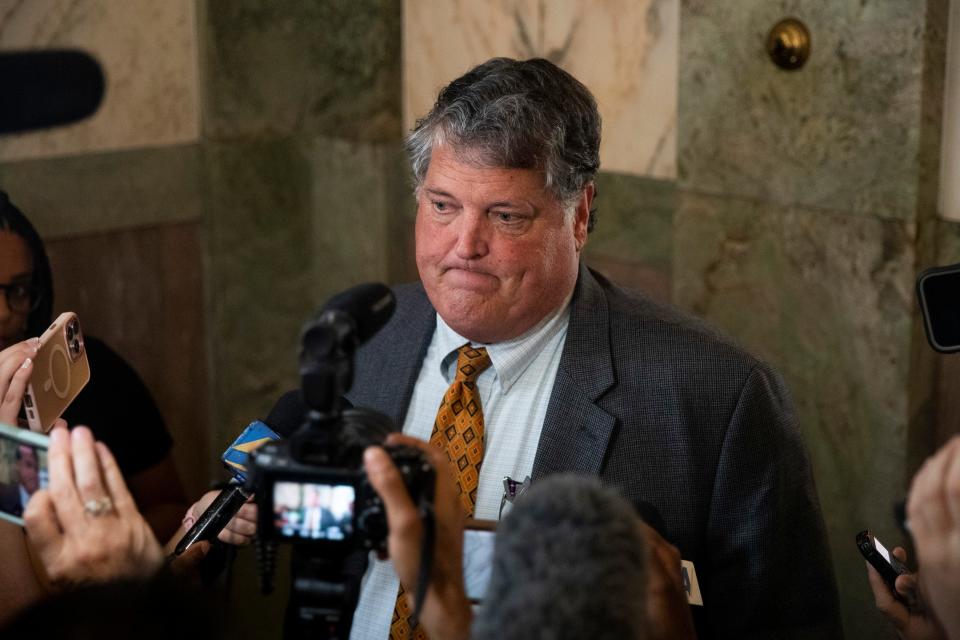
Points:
(70, 331)
(75, 345)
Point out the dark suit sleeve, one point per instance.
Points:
(765, 526)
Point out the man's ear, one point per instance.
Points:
(581, 216)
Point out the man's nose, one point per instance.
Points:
(472, 238)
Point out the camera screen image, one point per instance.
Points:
(23, 470)
(312, 511)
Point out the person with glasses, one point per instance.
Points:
(115, 404)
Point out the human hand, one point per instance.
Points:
(913, 622)
(85, 527)
(668, 610)
(239, 531)
(16, 365)
(446, 610)
(933, 508)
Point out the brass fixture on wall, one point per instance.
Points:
(788, 44)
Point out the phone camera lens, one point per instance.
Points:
(70, 333)
(75, 346)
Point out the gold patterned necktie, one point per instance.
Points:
(458, 430)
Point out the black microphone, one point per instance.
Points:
(41, 89)
(366, 306)
(569, 562)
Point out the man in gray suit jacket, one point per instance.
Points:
(587, 376)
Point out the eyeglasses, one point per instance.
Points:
(21, 298)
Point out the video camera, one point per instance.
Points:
(311, 489)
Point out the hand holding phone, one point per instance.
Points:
(16, 366)
(60, 372)
(880, 559)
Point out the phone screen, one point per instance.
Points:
(939, 291)
(882, 550)
(23, 470)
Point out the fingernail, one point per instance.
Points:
(187, 522)
(26, 363)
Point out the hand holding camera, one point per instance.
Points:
(446, 610)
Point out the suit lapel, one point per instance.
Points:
(575, 430)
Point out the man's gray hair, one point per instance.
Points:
(516, 114)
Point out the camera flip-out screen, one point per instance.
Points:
(313, 511)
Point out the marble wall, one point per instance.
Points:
(148, 51)
(805, 205)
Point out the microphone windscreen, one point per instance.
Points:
(569, 562)
(41, 89)
(288, 414)
(370, 305)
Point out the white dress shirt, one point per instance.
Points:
(514, 393)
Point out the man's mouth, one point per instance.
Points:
(468, 277)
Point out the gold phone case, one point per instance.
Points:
(60, 371)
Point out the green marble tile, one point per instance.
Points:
(302, 66)
(728, 268)
(843, 133)
(101, 192)
(289, 224)
(257, 229)
(634, 219)
(631, 242)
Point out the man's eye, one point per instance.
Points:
(508, 218)
(440, 206)
(20, 291)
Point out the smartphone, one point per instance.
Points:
(882, 560)
(60, 371)
(23, 470)
(478, 541)
(938, 290)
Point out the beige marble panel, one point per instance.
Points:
(625, 51)
(148, 50)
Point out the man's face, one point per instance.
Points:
(495, 251)
(27, 469)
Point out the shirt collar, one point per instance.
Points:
(510, 358)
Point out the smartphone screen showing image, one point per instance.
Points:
(23, 470)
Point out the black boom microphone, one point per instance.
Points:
(40, 89)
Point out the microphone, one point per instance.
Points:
(367, 307)
(569, 562)
(228, 503)
(283, 420)
(42, 89)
